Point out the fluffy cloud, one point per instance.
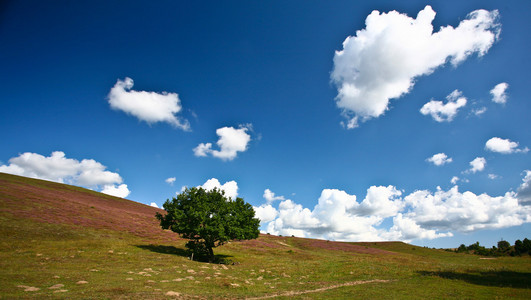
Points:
(439, 159)
(406, 229)
(270, 196)
(153, 204)
(147, 106)
(524, 191)
(465, 212)
(266, 213)
(338, 216)
(231, 141)
(230, 188)
(477, 165)
(203, 149)
(117, 191)
(380, 201)
(57, 167)
(170, 180)
(504, 146)
(499, 94)
(382, 61)
(444, 112)
(420, 215)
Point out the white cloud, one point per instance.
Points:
(153, 204)
(231, 141)
(380, 201)
(477, 165)
(118, 191)
(420, 215)
(230, 188)
(203, 149)
(382, 61)
(266, 213)
(170, 180)
(270, 196)
(439, 159)
(454, 180)
(147, 106)
(444, 112)
(499, 94)
(504, 146)
(406, 229)
(524, 190)
(338, 216)
(464, 212)
(57, 167)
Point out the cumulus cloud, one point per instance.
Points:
(421, 214)
(57, 167)
(230, 188)
(116, 190)
(170, 180)
(477, 165)
(230, 142)
(504, 146)
(338, 216)
(203, 149)
(380, 201)
(406, 229)
(382, 60)
(444, 112)
(439, 159)
(499, 94)
(265, 213)
(465, 212)
(150, 107)
(153, 204)
(269, 196)
(524, 190)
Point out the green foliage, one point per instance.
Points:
(462, 249)
(504, 248)
(208, 219)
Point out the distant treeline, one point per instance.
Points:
(504, 249)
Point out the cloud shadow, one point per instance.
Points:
(491, 278)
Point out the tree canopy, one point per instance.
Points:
(209, 219)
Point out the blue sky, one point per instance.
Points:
(333, 120)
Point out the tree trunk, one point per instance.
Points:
(210, 254)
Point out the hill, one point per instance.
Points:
(61, 241)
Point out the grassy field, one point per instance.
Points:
(60, 241)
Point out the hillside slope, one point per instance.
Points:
(60, 241)
(55, 203)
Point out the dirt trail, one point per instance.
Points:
(296, 293)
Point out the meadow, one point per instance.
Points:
(60, 241)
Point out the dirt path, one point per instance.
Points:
(296, 293)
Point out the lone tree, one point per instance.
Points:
(209, 219)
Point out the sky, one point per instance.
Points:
(342, 120)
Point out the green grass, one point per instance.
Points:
(119, 264)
